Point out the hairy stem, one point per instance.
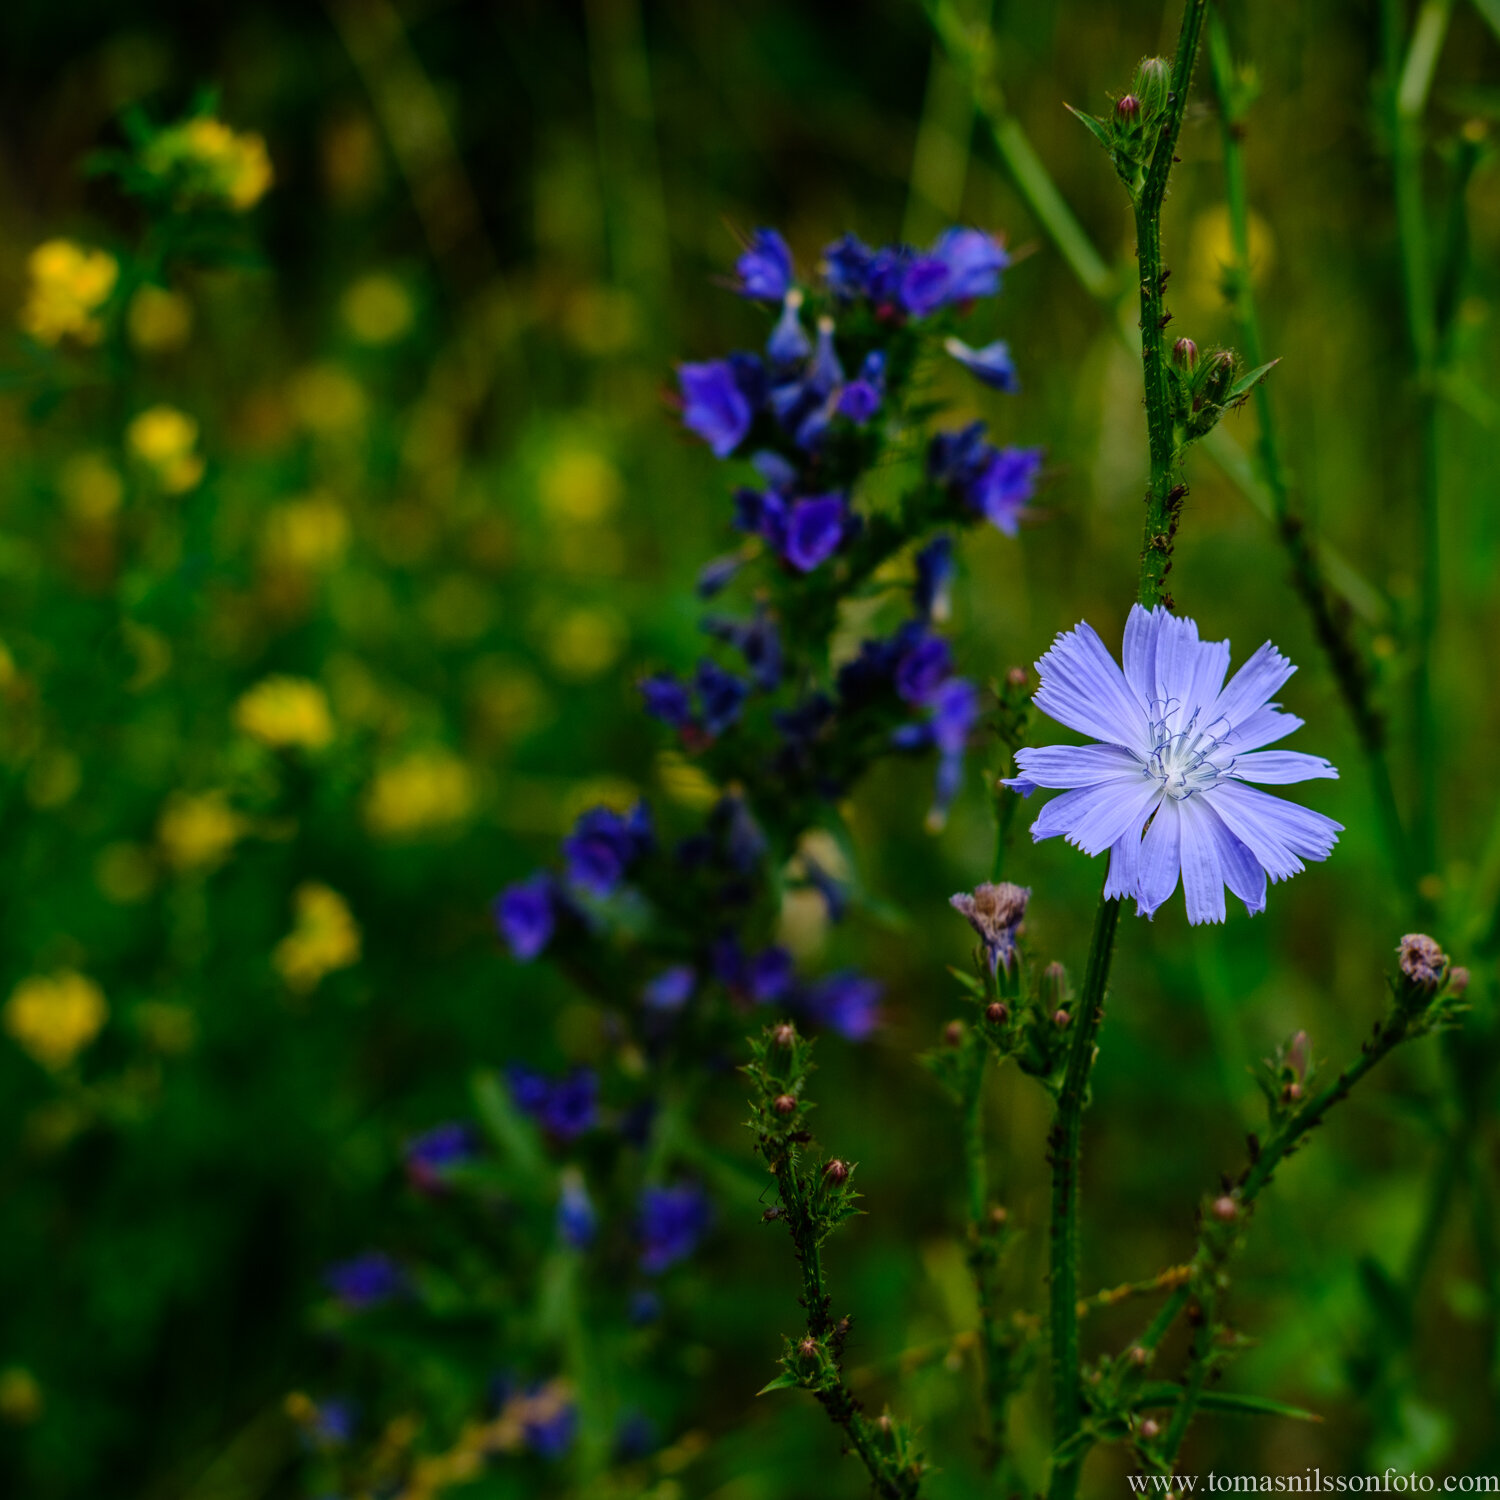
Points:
(1164, 496)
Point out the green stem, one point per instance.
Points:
(1067, 1131)
(1165, 495)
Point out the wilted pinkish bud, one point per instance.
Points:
(837, 1172)
(994, 912)
(1422, 961)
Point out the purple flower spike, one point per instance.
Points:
(672, 1223)
(714, 406)
(992, 365)
(1007, 484)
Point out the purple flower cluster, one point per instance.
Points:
(996, 483)
(366, 1281)
(671, 1224)
(431, 1155)
(564, 1107)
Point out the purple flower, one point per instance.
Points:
(429, 1156)
(845, 1002)
(577, 1222)
(718, 573)
(815, 529)
(564, 1107)
(671, 989)
(721, 696)
(666, 699)
(789, 343)
(934, 574)
(738, 834)
(714, 406)
(769, 975)
(526, 915)
(953, 710)
(671, 1224)
(991, 365)
(924, 285)
(846, 266)
(1175, 748)
(974, 261)
(995, 912)
(765, 268)
(924, 669)
(366, 1281)
(603, 846)
(1001, 492)
(530, 1089)
(958, 458)
(551, 1434)
(860, 399)
(757, 640)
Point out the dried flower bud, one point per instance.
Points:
(837, 1172)
(953, 1033)
(784, 1104)
(1061, 1018)
(1458, 981)
(784, 1035)
(1422, 961)
(995, 913)
(1150, 1428)
(1185, 355)
(1226, 1210)
(996, 1013)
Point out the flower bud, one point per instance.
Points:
(1138, 1356)
(1153, 85)
(1128, 111)
(1150, 1428)
(837, 1172)
(784, 1035)
(1218, 378)
(998, 1215)
(996, 1013)
(1016, 677)
(953, 1033)
(1226, 1210)
(1054, 990)
(1458, 981)
(1422, 961)
(808, 1348)
(995, 911)
(1061, 1018)
(784, 1104)
(1185, 355)
(1299, 1054)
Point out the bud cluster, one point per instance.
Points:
(1131, 131)
(1203, 386)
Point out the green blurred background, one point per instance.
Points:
(441, 482)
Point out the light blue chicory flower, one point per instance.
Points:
(1177, 749)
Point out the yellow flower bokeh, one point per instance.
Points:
(69, 284)
(324, 937)
(198, 830)
(284, 712)
(55, 1016)
(164, 440)
(427, 789)
(204, 159)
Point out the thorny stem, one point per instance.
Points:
(1331, 615)
(1218, 1239)
(1067, 1129)
(1165, 495)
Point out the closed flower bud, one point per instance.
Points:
(1423, 962)
(996, 1013)
(1153, 85)
(1458, 981)
(1060, 1018)
(1016, 677)
(1226, 1210)
(1299, 1055)
(784, 1035)
(1055, 990)
(1138, 1356)
(1185, 355)
(784, 1104)
(1128, 111)
(837, 1172)
(808, 1348)
(998, 1216)
(1150, 1428)
(953, 1033)
(1218, 378)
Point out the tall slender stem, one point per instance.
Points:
(1066, 1139)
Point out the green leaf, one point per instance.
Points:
(1227, 1403)
(1247, 383)
(514, 1135)
(783, 1382)
(1490, 10)
(1096, 127)
(973, 985)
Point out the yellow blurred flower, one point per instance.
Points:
(377, 309)
(327, 399)
(324, 937)
(159, 320)
(164, 438)
(1213, 251)
(20, 1396)
(427, 789)
(91, 487)
(581, 485)
(69, 284)
(586, 641)
(53, 1017)
(684, 783)
(204, 159)
(286, 711)
(311, 533)
(198, 830)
